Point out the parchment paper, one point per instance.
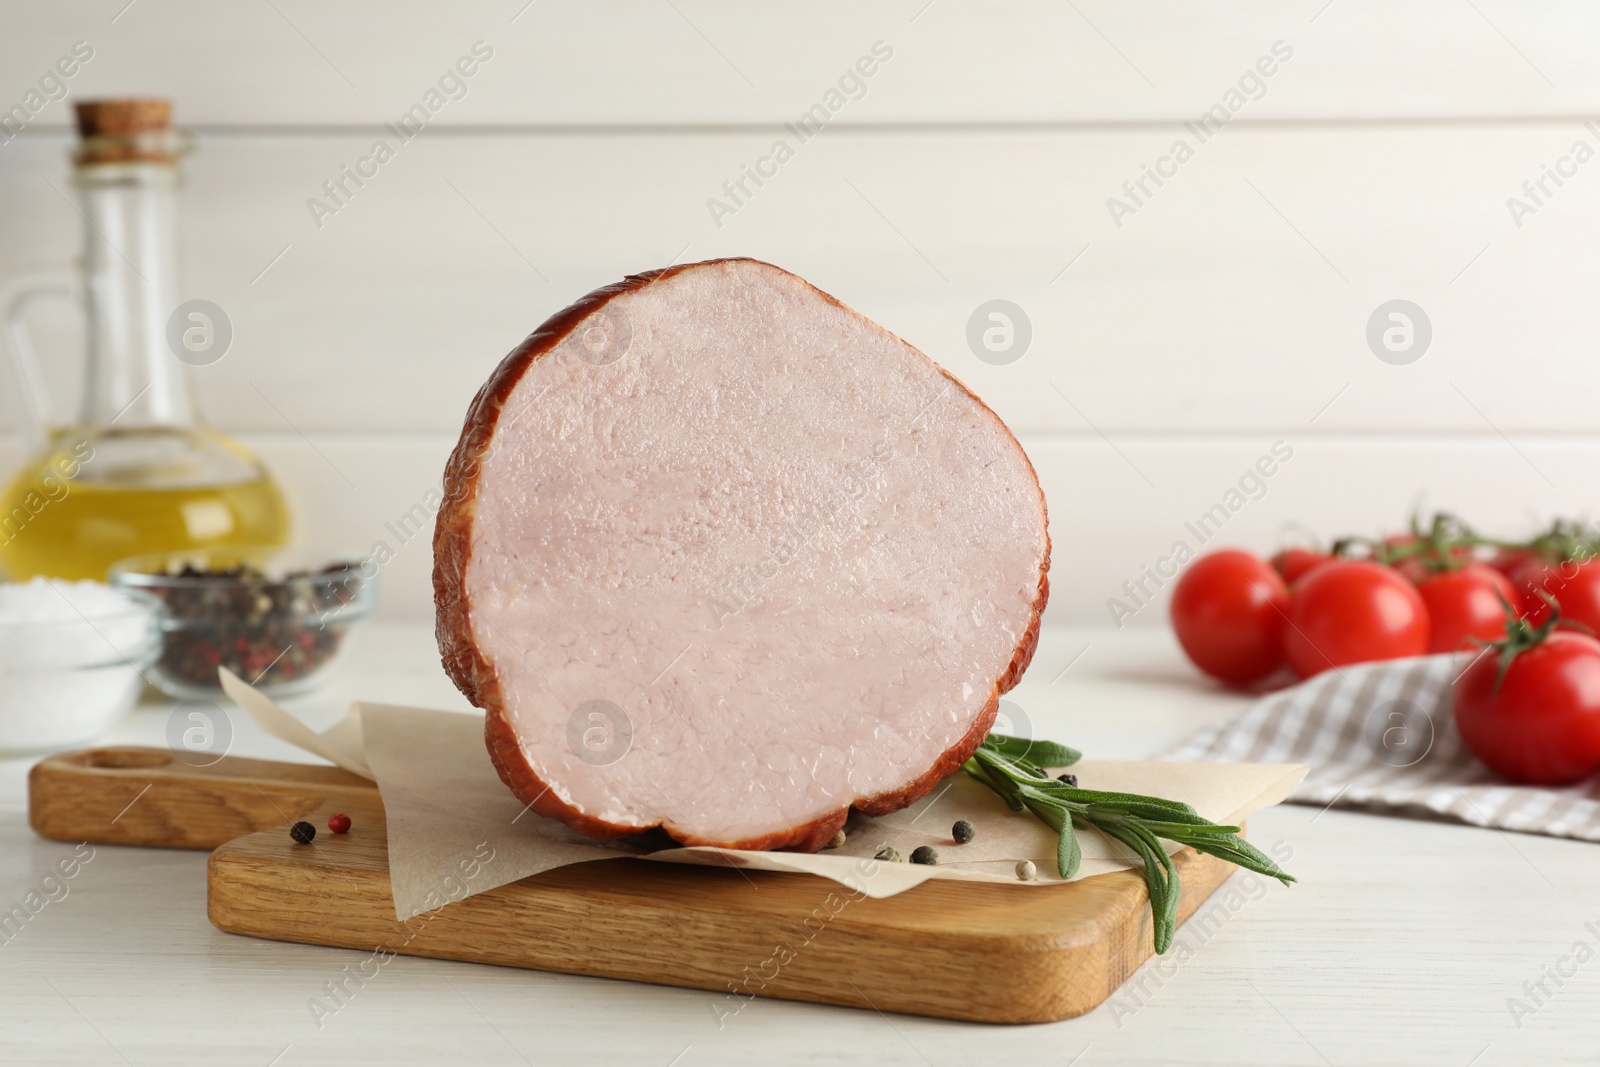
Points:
(456, 830)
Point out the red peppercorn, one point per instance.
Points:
(339, 823)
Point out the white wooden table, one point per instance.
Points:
(1401, 944)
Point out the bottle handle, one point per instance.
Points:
(16, 297)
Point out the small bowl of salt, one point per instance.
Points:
(71, 661)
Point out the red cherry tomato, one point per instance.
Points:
(1410, 566)
(1575, 586)
(1415, 568)
(1508, 560)
(1228, 611)
(1293, 563)
(1542, 723)
(1469, 602)
(1353, 611)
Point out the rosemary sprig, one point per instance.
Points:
(1014, 768)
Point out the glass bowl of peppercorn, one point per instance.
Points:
(276, 619)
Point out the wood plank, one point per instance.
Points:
(701, 61)
(1236, 299)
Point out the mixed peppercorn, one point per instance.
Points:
(304, 833)
(962, 832)
(269, 631)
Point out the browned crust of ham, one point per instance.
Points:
(475, 676)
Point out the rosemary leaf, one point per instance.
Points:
(1160, 877)
(987, 772)
(1042, 753)
(1135, 804)
(1181, 831)
(1015, 769)
(1238, 851)
(1069, 855)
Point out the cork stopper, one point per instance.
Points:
(128, 130)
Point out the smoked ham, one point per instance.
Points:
(718, 554)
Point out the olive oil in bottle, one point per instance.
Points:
(138, 471)
(74, 511)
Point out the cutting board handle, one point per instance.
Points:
(130, 795)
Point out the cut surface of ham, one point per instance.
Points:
(720, 555)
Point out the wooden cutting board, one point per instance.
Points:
(957, 950)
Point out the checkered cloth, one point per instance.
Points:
(1382, 736)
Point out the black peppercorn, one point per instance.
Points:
(1070, 779)
(925, 854)
(963, 831)
(302, 832)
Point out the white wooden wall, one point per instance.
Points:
(1228, 312)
